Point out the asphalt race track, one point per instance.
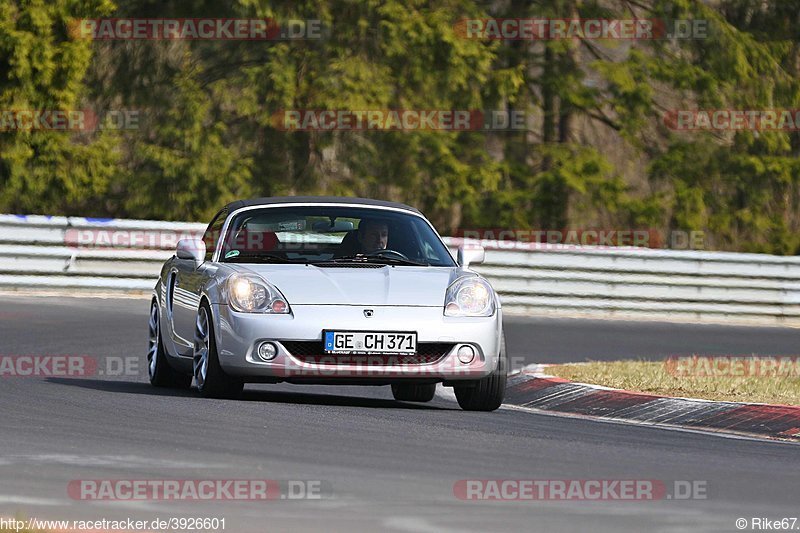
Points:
(548, 340)
(387, 465)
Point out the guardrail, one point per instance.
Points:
(107, 255)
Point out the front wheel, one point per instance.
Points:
(211, 380)
(485, 394)
(410, 392)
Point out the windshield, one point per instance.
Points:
(332, 235)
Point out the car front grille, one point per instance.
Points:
(313, 352)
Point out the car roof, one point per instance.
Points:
(300, 200)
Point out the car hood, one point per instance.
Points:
(401, 285)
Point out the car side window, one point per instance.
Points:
(211, 236)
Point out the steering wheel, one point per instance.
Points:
(387, 251)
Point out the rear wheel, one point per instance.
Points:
(211, 380)
(411, 392)
(485, 394)
(158, 369)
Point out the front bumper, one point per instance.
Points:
(239, 334)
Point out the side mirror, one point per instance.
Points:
(192, 249)
(472, 254)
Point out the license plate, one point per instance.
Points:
(367, 342)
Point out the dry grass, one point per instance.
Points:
(667, 379)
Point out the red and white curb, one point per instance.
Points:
(529, 388)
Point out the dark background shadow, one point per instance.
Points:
(301, 397)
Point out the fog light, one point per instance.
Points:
(267, 351)
(466, 354)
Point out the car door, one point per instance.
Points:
(188, 282)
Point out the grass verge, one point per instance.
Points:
(734, 382)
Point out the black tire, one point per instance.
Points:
(160, 372)
(215, 383)
(485, 394)
(413, 392)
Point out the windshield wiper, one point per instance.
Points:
(259, 258)
(379, 259)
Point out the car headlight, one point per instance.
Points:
(469, 296)
(250, 293)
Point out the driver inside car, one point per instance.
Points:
(373, 236)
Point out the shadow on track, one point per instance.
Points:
(126, 387)
(307, 398)
(258, 396)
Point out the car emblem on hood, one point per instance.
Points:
(368, 313)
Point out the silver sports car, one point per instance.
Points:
(326, 290)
